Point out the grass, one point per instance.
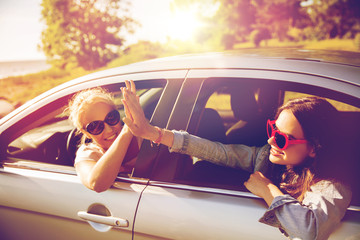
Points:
(20, 89)
(333, 44)
(330, 44)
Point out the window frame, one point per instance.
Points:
(320, 85)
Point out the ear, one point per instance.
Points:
(312, 152)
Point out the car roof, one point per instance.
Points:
(338, 65)
(330, 64)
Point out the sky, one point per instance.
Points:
(20, 26)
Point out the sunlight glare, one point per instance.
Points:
(183, 25)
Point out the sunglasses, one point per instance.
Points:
(282, 140)
(97, 127)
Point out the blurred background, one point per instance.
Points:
(44, 43)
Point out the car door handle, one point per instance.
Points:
(107, 220)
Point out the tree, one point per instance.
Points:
(231, 23)
(236, 18)
(278, 16)
(259, 35)
(334, 18)
(83, 32)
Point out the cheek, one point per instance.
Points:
(97, 138)
(296, 156)
(118, 127)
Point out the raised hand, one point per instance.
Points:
(134, 115)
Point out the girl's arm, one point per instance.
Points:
(315, 217)
(100, 175)
(236, 156)
(261, 186)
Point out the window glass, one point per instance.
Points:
(337, 104)
(219, 101)
(231, 113)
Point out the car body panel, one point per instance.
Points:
(54, 198)
(213, 216)
(233, 60)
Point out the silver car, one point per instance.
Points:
(224, 97)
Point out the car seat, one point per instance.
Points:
(206, 173)
(211, 126)
(250, 126)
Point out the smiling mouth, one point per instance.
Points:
(110, 138)
(273, 151)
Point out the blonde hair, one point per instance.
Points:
(80, 101)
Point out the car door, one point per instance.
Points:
(191, 199)
(43, 203)
(40, 195)
(42, 199)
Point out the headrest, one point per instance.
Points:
(243, 103)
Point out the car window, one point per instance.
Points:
(340, 106)
(235, 111)
(231, 111)
(53, 141)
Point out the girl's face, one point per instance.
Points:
(294, 154)
(96, 112)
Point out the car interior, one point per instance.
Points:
(241, 120)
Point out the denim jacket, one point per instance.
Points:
(315, 217)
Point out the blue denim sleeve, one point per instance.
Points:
(232, 155)
(316, 217)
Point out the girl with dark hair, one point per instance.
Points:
(306, 198)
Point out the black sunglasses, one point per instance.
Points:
(97, 127)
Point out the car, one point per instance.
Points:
(225, 97)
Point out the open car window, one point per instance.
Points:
(235, 111)
(52, 139)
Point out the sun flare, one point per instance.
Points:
(182, 25)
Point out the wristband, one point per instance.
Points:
(158, 140)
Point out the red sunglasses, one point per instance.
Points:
(282, 140)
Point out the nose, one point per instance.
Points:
(271, 141)
(107, 128)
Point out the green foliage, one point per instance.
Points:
(236, 18)
(82, 33)
(286, 20)
(280, 16)
(259, 35)
(334, 18)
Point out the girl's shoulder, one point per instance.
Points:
(90, 147)
(88, 151)
(331, 188)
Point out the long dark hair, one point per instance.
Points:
(318, 119)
